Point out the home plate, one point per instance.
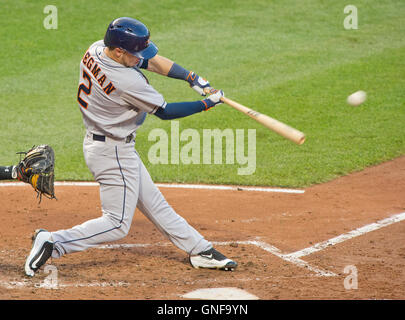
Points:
(220, 294)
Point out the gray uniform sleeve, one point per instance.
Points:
(143, 97)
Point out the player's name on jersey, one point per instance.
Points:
(95, 69)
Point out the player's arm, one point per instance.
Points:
(167, 67)
(159, 64)
(183, 109)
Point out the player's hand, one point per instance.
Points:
(214, 98)
(198, 83)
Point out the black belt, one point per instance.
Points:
(102, 138)
(98, 137)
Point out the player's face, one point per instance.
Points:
(122, 57)
(129, 60)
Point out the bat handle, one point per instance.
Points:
(210, 90)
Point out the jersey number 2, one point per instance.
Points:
(85, 89)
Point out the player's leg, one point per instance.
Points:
(113, 225)
(155, 207)
(117, 172)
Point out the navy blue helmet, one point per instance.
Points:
(131, 35)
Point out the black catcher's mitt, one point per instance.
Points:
(37, 169)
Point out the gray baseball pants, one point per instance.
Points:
(125, 184)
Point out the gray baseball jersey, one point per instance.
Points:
(114, 101)
(114, 98)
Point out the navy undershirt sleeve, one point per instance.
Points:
(178, 72)
(182, 109)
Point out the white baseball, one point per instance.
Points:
(357, 98)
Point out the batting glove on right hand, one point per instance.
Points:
(214, 98)
(197, 83)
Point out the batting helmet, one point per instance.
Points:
(131, 35)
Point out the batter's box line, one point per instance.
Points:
(294, 257)
(347, 236)
(277, 252)
(265, 246)
(24, 283)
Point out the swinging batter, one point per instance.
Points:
(114, 98)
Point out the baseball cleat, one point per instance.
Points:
(42, 247)
(212, 259)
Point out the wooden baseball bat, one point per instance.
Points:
(277, 126)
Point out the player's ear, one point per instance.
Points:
(119, 52)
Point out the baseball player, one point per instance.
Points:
(114, 97)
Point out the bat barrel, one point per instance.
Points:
(278, 127)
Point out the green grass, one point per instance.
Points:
(292, 60)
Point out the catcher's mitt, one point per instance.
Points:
(37, 169)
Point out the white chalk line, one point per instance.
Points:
(24, 283)
(45, 284)
(20, 284)
(57, 284)
(295, 257)
(347, 236)
(267, 247)
(170, 185)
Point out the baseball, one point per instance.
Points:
(357, 98)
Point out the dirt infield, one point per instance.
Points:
(266, 232)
